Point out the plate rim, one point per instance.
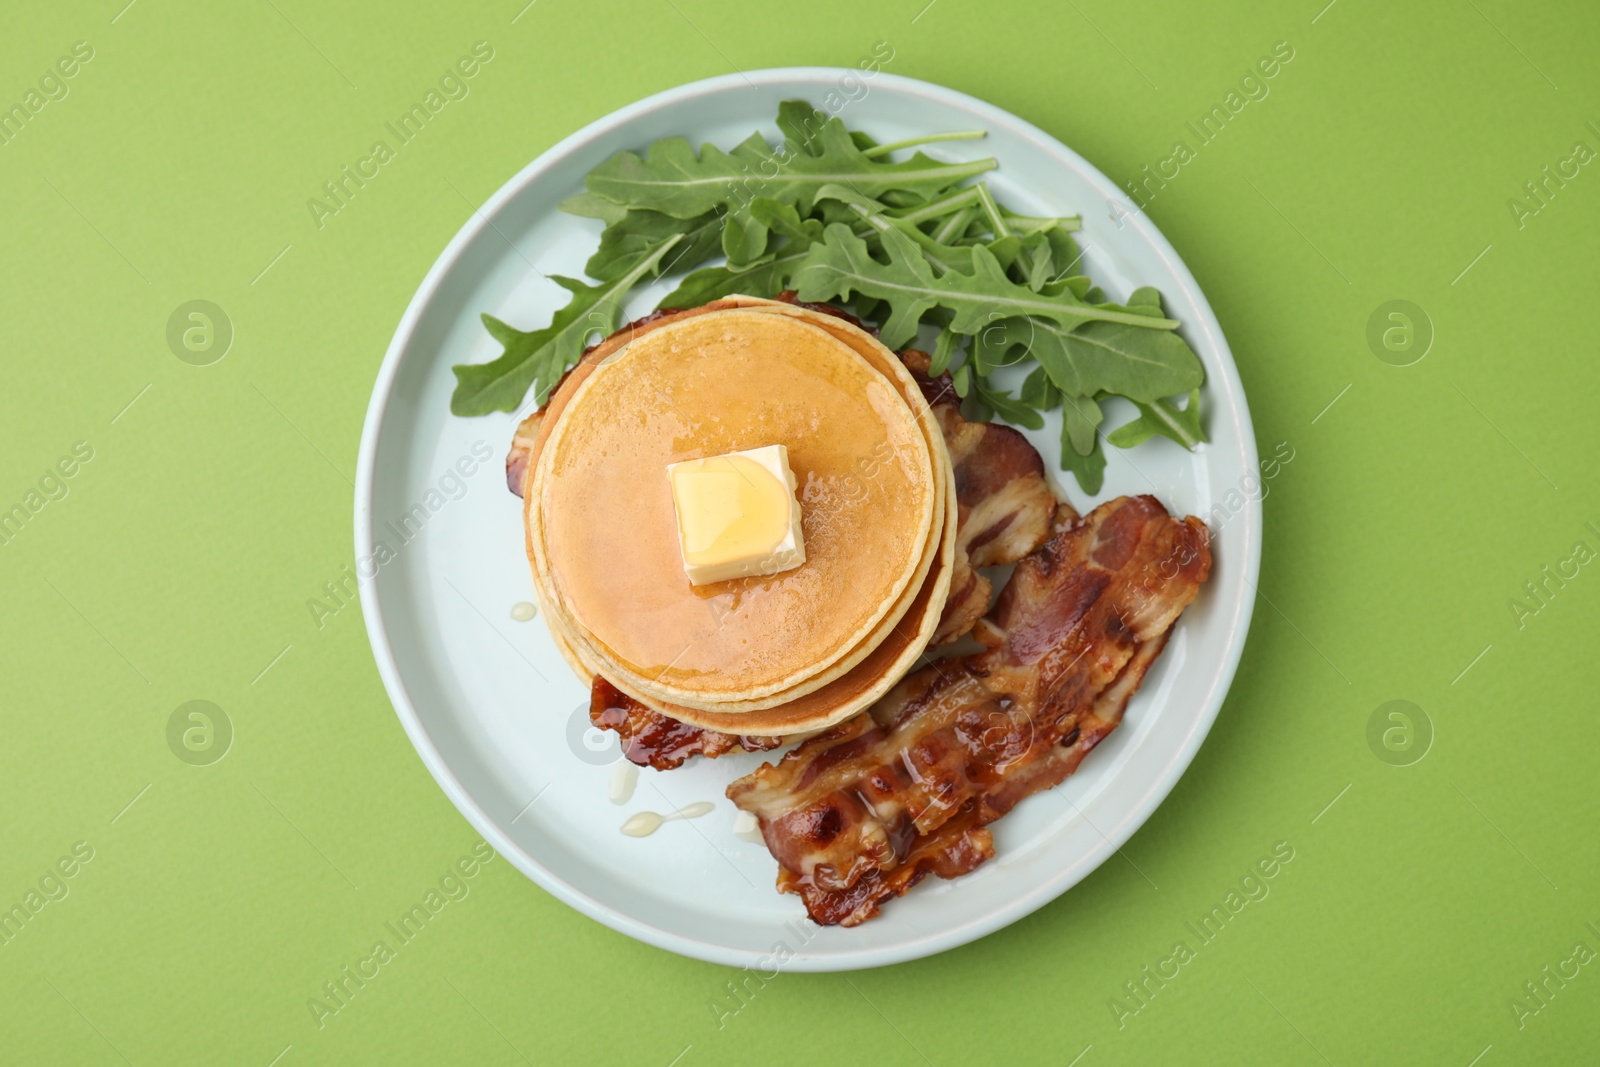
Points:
(916, 946)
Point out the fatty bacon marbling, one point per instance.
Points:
(863, 811)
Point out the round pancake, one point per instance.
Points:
(704, 385)
(891, 365)
(547, 416)
(911, 636)
(791, 716)
(862, 649)
(885, 661)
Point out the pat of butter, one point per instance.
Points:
(737, 515)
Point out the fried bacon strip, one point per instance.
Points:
(961, 844)
(1004, 505)
(860, 813)
(652, 739)
(958, 847)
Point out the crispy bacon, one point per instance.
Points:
(966, 602)
(956, 745)
(1004, 505)
(521, 451)
(652, 739)
(961, 844)
(956, 848)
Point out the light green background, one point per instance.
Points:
(179, 563)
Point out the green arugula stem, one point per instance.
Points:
(883, 223)
(938, 209)
(788, 175)
(956, 224)
(1173, 427)
(1043, 224)
(878, 151)
(1100, 314)
(991, 209)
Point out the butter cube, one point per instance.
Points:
(737, 514)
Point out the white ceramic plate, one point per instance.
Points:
(498, 717)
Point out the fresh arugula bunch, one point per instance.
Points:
(904, 245)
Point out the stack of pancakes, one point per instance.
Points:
(770, 655)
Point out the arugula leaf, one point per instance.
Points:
(961, 380)
(766, 279)
(1165, 418)
(987, 294)
(589, 206)
(996, 223)
(1142, 365)
(1002, 403)
(1005, 250)
(1083, 417)
(927, 138)
(954, 226)
(1031, 224)
(673, 180)
(943, 349)
(872, 213)
(744, 238)
(636, 234)
(800, 123)
(842, 265)
(1039, 391)
(1146, 300)
(1036, 259)
(1076, 284)
(1090, 470)
(1064, 255)
(939, 208)
(539, 358)
(784, 220)
(1002, 343)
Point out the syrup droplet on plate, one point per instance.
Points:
(645, 823)
(624, 776)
